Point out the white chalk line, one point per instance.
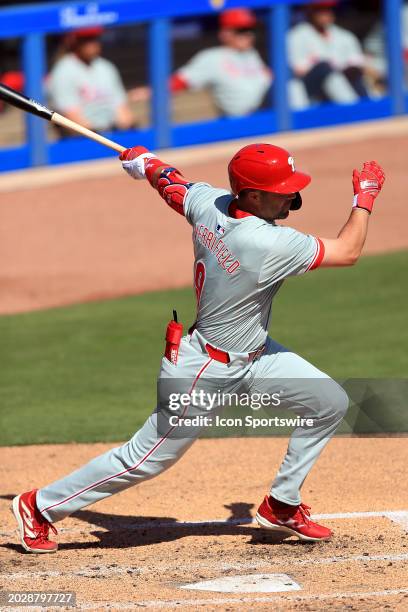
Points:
(240, 600)
(106, 571)
(400, 517)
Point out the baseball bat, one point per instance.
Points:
(28, 105)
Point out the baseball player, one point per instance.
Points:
(233, 71)
(86, 87)
(328, 59)
(242, 256)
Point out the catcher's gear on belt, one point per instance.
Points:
(267, 168)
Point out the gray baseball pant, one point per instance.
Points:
(302, 388)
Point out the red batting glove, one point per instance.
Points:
(132, 153)
(367, 185)
(134, 160)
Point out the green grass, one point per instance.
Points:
(88, 372)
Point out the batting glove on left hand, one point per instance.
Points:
(133, 161)
(367, 184)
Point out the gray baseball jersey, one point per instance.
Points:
(238, 79)
(96, 89)
(240, 265)
(307, 46)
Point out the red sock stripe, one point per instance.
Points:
(134, 467)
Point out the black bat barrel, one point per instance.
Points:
(26, 104)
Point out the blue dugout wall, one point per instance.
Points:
(34, 22)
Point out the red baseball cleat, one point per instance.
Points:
(34, 528)
(294, 520)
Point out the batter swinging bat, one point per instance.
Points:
(35, 108)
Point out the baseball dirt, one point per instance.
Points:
(132, 550)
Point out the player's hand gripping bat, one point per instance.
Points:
(35, 108)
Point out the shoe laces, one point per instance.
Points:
(305, 512)
(43, 530)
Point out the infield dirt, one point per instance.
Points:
(130, 549)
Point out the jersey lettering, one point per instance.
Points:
(199, 280)
(226, 260)
(209, 239)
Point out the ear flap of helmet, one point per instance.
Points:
(297, 202)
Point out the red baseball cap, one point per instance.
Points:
(237, 18)
(322, 5)
(12, 79)
(91, 32)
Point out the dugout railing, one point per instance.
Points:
(34, 22)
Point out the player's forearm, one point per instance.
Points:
(353, 235)
(347, 247)
(139, 163)
(153, 170)
(169, 182)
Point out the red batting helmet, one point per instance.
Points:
(267, 168)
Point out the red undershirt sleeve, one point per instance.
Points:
(177, 83)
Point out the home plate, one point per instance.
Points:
(248, 583)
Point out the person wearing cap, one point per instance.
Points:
(233, 71)
(87, 88)
(242, 256)
(328, 59)
(13, 79)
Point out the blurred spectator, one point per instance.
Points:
(233, 71)
(374, 46)
(328, 59)
(87, 88)
(13, 79)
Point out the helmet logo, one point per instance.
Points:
(291, 163)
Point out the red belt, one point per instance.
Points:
(224, 357)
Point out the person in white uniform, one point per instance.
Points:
(233, 71)
(88, 88)
(241, 258)
(376, 59)
(328, 59)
